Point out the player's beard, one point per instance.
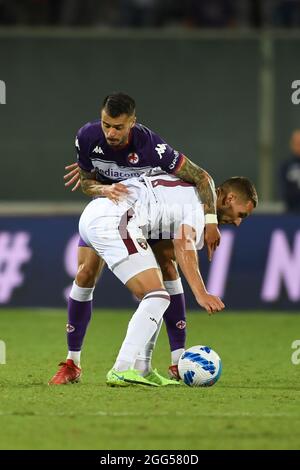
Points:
(220, 215)
(117, 142)
(113, 142)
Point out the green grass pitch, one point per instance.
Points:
(255, 404)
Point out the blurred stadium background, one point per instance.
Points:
(213, 78)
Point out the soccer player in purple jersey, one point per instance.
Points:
(109, 151)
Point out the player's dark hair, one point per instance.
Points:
(117, 104)
(243, 186)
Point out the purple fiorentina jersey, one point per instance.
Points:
(145, 150)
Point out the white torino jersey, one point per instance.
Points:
(157, 205)
(167, 203)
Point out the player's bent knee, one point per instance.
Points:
(161, 297)
(169, 270)
(145, 282)
(86, 276)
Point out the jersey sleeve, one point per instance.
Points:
(162, 154)
(82, 146)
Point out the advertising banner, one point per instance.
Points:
(257, 265)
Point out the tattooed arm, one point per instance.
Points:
(91, 187)
(205, 185)
(192, 173)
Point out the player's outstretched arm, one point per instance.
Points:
(91, 187)
(192, 173)
(73, 176)
(187, 257)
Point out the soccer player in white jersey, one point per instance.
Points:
(110, 150)
(117, 234)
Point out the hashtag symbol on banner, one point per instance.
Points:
(14, 251)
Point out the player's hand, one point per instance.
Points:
(211, 303)
(115, 192)
(73, 176)
(212, 239)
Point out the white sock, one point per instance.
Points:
(143, 360)
(81, 294)
(174, 287)
(75, 356)
(175, 355)
(141, 327)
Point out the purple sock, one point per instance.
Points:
(79, 315)
(174, 318)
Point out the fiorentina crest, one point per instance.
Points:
(133, 158)
(70, 328)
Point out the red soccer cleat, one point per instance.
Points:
(173, 372)
(66, 374)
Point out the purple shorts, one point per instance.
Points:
(82, 243)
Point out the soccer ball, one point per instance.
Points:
(199, 366)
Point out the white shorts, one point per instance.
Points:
(104, 227)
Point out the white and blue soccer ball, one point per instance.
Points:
(199, 366)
